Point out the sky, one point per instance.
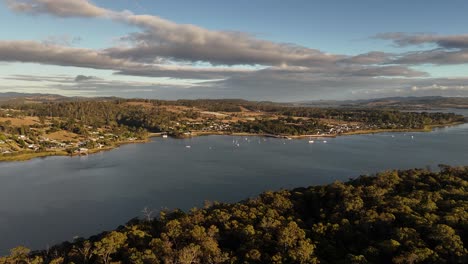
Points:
(271, 50)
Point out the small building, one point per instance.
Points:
(82, 151)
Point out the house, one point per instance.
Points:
(82, 151)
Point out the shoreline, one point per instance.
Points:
(428, 128)
(26, 156)
(29, 155)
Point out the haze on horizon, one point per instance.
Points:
(262, 50)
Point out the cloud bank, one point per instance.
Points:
(237, 62)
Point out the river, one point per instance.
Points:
(48, 200)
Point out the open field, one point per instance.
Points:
(63, 135)
(23, 121)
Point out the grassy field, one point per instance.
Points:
(23, 121)
(63, 135)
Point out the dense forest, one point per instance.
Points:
(281, 126)
(410, 216)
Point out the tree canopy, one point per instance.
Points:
(407, 216)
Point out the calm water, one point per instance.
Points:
(46, 201)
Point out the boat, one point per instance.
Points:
(311, 141)
(324, 141)
(188, 146)
(164, 136)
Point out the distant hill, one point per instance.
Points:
(426, 102)
(12, 96)
(18, 98)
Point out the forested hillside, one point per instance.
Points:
(411, 216)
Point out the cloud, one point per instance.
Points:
(80, 78)
(281, 86)
(446, 50)
(62, 8)
(67, 85)
(31, 51)
(164, 38)
(404, 39)
(33, 78)
(274, 85)
(436, 57)
(183, 72)
(218, 48)
(35, 52)
(388, 71)
(374, 57)
(236, 64)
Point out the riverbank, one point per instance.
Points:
(28, 155)
(356, 132)
(425, 129)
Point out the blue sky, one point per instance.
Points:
(236, 48)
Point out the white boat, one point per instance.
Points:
(311, 142)
(324, 141)
(164, 136)
(188, 146)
